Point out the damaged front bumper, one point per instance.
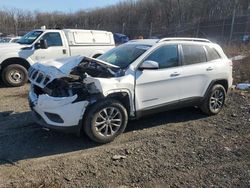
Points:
(62, 89)
(57, 112)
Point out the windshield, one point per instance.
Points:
(30, 37)
(124, 55)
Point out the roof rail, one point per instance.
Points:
(184, 39)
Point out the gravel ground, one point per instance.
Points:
(181, 148)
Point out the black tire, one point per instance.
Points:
(95, 114)
(213, 105)
(14, 75)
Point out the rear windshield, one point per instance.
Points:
(124, 55)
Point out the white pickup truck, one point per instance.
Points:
(43, 44)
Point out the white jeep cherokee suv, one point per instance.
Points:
(127, 82)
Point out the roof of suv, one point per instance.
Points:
(150, 42)
(185, 39)
(154, 41)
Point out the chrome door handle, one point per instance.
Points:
(174, 74)
(210, 68)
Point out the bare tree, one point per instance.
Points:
(133, 17)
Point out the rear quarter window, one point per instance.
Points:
(193, 54)
(212, 54)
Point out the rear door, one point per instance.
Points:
(196, 71)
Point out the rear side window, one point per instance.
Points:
(166, 56)
(212, 54)
(193, 54)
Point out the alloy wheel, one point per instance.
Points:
(108, 121)
(216, 100)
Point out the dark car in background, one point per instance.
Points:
(120, 38)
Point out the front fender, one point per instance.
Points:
(4, 56)
(130, 95)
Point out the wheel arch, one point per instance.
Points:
(124, 98)
(222, 82)
(15, 60)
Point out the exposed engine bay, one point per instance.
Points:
(74, 83)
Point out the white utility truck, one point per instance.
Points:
(43, 44)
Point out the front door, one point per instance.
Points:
(155, 88)
(56, 48)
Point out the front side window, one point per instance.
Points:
(166, 56)
(124, 55)
(193, 54)
(30, 37)
(53, 39)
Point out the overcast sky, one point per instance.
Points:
(56, 5)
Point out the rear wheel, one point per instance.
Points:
(15, 75)
(105, 121)
(214, 101)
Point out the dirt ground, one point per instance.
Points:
(172, 149)
(181, 148)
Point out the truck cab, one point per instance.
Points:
(44, 44)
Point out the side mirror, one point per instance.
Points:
(148, 64)
(43, 44)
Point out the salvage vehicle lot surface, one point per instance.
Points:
(178, 148)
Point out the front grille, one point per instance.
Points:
(46, 80)
(34, 75)
(38, 77)
(31, 71)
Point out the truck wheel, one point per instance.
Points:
(105, 120)
(15, 75)
(214, 101)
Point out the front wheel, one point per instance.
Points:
(15, 75)
(105, 121)
(214, 101)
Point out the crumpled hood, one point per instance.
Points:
(58, 68)
(62, 67)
